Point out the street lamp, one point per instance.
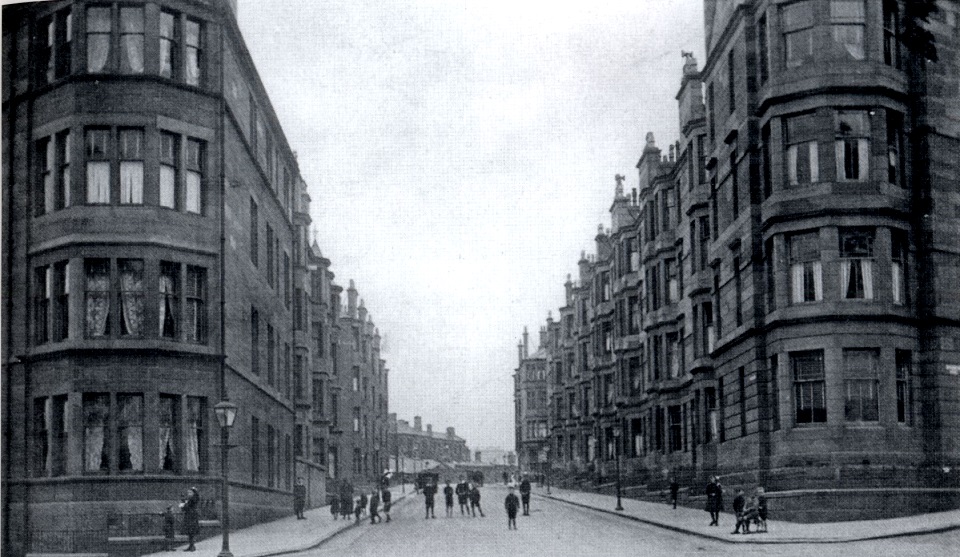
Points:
(616, 437)
(547, 473)
(226, 413)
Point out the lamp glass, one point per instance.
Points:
(226, 413)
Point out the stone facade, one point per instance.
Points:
(418, 443)
(530, 403)
(156, 261)
(776, 302)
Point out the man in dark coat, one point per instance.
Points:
(346, 500)
(738, 503)
(448, 499)
(511, 503)
(299, 498)
(385, 496)
(463, 494)
(714, 492)
(475, 501)
(525, 495)
(429, 491)
(335, 506)
(674, 491)
(189, 506)
(363, 502)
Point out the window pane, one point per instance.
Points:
(168, 195)
(130, 432)
(96, 409)
(848, 41)
(168, 432)
(98, 20)
(98, 297)
(131, 296)
(169, 299)
(194, 200)
(131, 182)
(847, 11)
(797, 15)
(131, 40)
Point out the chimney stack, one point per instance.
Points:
(417, 423)
(451, 433)
(526, 343)
(352, 300)
(430, 430)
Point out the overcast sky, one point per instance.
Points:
(460, 155)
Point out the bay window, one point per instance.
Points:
(862, 384)
(806, 270)
(847, 22)
(852, 131)
(803, 160)
(797, 21)
(856, 263)
(809, 386)
(169, 43)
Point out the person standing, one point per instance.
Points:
(511, 503)
(375, 507)
(189, 506)
(335, 506)
(714, 492)
(674, 490)
(525, 495)
(363, 502)
(475, 501)
(738, 504)
(761, 510)
(429, 491)
(463, 493)
(346, 500)
(299, 498)
(448, 499)
(385, 496)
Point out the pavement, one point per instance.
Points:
(285, 535)
(695, 521)
(289, 535)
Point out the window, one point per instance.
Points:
(862, 383)
(803, 160)
(898, 266)
(271, 456)
(355, 384)
(98, 38)
(672, 358)
(130, 433)
(96, 448)
(98, 165)
(806, 270)
(319, 450)
(131, 296)
(709, 335)
(50, 436)
(169, 43)
(738, 290)
(131, 166)
(742, 384)
(770, 272)
(271, 355)
(633, 315)
(797, 20)
(847, 22)
(891, 33)
(731, 80)
(356, 419)
(169, 432)
(904, 393)
(97, 297)
(254, 234)
(734, 186)
(763, 54)
(195, 315)
(298, 440)
(774, 392)
(54, 40)
(169, 299)
(701, 159)
(45, 201)
(286, 283)
(809, 384)
(675, 438)
(673, 283)
(254, 341)
(193, 68)
(271, 279)
(169, 155)
(254, 449)
(710, 424)
(895, 149)
(856, 263)
(704, 247)
(852, 145)
(287, 371)
(710, 110)
(43, 288)
(765, 160)
(195, 164)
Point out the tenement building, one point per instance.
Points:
(530, 403)
(776, 301)
(419, 443)
(156, 263)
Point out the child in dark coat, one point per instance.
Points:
(511, 503)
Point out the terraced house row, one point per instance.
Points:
(776, 302)
(158, 260)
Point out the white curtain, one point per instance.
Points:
(796, 283)
(98, 182)
(849, 40)
(93, 447)
(897, 280)
(134, 440)
(193, 192)
(166, 448)
(98, 50)
(167, 307)
(814, 161)
(98, 303)
(131, 299)
(193, 66)
(792, 175)
(168, 195)
(845, 287)
(193, 435)
(863, 153)
(817, 280)
(131, 47)
(131, 182)
(866, 266)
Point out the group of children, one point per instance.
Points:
(343, 505)
(752, 510)
(468, 496)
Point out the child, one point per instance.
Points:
(385, 496)
(448, 499)
(375, 507)
(475, 501)
(511, 503)
(335, 506)
(738, 504)
(358, 510)
(750, 514)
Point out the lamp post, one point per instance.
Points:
(226, 413)
(616, 442)
(548, 465)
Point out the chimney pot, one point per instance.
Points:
(417, 423)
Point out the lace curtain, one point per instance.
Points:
(131, 297)
(131, 40)
(98, 182)
(897, 281)
(130, 432)
(194, 428)
(131, 182)
(98, 299)
(168, 306)
(193, 192)
(98, 38)
(856, 278)
(95, 411)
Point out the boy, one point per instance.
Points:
(375, 507)
(511, 503)
(448, 499)
(738, 504)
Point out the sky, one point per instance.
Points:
(460, 155)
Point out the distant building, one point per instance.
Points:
(494, 455)
(530, 404)
(416, 443)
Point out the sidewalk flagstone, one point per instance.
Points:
(694, 521)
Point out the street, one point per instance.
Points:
(555, 528)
